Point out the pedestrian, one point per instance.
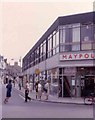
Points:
(6, 81)
(19, 85)
(8, 92)
(14, 81)
(39, 90)
(59, 90)
(27, 92)
(46, 89)
(36, 87)
(31, 87)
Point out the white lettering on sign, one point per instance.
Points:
(77, 56)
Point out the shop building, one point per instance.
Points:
(65, 55)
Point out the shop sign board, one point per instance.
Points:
(77, 56)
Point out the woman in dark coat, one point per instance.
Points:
(36, 87)
(8, 92)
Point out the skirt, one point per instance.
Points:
(8, 94)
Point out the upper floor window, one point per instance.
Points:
(70, 37)
(76, 34)
(86, 33)
(50, 46)
(62, 36)
(87, 37)
(57, 38)
(93, 46)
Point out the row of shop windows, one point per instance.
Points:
(69, 81)
(65, 38)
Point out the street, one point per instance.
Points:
(17, 108)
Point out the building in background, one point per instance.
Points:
(3, 64)
(13, 70)
(65, 55)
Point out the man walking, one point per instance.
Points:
(27, 92)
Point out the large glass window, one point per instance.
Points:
(62, 35)
(76, 37)
(57, 38)
(86, 33)
(57, 41)
(54, 42)
(86, 36)
(41, 52)
(50, 46)
(44, 50)
(70, 37)
(76, 47)
(64, 39)
(93, 45)
(76, 34)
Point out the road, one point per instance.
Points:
(17, 108)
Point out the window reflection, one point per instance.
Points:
(86, 37)
(70, 38)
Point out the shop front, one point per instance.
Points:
(52, 76)
(73, 81)
(87, 80)
(67, 82)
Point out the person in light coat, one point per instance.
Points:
(39, 90)
(47, 88)
(27, 92)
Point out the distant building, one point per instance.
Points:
(65, 55)
(14, 70)
(2, 65)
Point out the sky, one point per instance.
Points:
(23, 22)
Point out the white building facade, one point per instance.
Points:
(65, 55)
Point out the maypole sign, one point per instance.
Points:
(76, 56)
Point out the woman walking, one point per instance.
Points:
(8, 92)
(46, 89)
(36, 87)
(39, 90)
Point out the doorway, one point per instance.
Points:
(89, 84)
(67, 87)
(66, 83)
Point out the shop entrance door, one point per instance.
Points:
(64, 87)
(66, 83)
(89, 84)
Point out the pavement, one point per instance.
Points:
(52, 98)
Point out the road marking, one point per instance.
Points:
(21, 96)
